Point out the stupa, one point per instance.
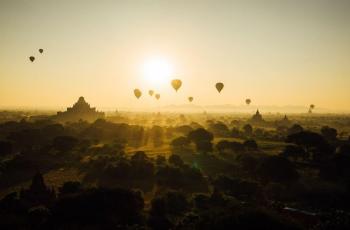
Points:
(283, 122)
(81, 110)
(256, 118)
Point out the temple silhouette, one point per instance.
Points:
(283, 122)
(257, 118)
(81, 110)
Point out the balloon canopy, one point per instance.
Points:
(150, 92)
(190, 99)
(176, 83)
(248, 101)
(219, 86)
(157, 96)
(31, 58)
(137, 93)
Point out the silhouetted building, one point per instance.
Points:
(256, 118)
(81, 110)
(284, 121)
(38, 193)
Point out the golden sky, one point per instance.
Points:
(276, 52)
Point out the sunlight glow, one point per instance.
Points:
(157, 71)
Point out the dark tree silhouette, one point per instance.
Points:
(250, 144)
(199, 135)
(183, 129)
(5, 148)
(296, 128)
(157, 134)
(277, 169)
(248, 162)
(172, 203)
(313, 144)
(337, 167)
(235, 132)
(175, 160)
(295, 152)
(139, 156)
(242, 189)
(180, 142)
(202, 139)
(64, 143)
(99, 208)
(69, 188)
(248, 130)
(160, 160)
(27, 138)
(219, 129)
(223, 145)
(329, 133)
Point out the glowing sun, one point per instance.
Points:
(157, 71)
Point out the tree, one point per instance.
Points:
(344, 149)
(259, 132)
(175, 160)
(139, 156)
(248, 162)
(248, 130)
(250, 144)
(202, 139)
(157, 134)
(64, 143)
(27, 138)
(336, 168)
(296, 128)
(219, 129)
(183, 178)
(236, 187)
(70, 187)
(277, 169)
(223, 145)
(180, 142)
(237, 147)
(313, 144)
(183, 129)
(204, 146)
(53, 130)
(329, 133)
(160, 160)
(101, 208)
(199, 135)
(295, 152)
(172, 203)
(235, 132)
(5, 148)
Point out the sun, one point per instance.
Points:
(157, 71)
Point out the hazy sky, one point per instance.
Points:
(292, 52)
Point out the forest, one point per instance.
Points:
(156, 170)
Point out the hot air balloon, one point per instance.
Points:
(190, 99)
(248, 101)
(150, 92)
(219, 86)
(41, 51)
(157, 96)
(176, 83)
(31, 58)
(137, 93)
(312, 106)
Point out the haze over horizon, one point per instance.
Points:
(276, 53)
